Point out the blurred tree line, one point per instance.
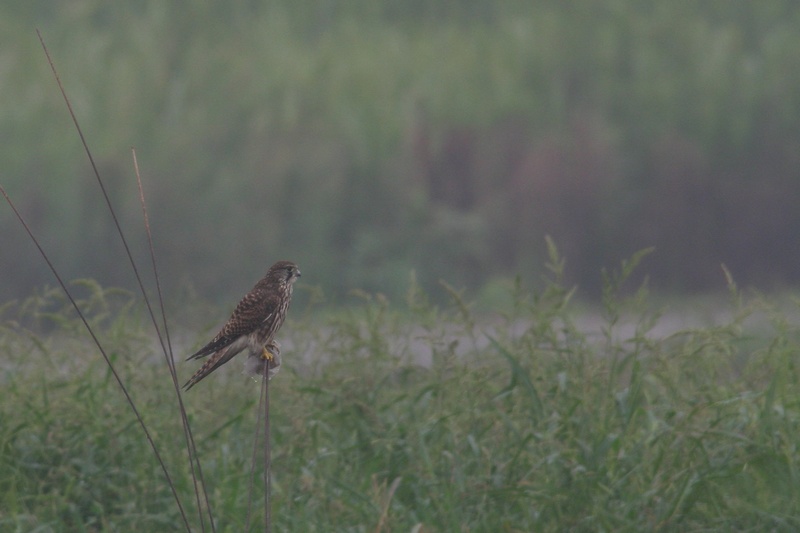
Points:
(368, 138)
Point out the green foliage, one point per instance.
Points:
(365, 139)
(411, 416)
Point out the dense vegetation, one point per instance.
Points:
(404, 416)
(368, 139)
(364, 139)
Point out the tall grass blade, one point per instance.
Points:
(103, 353)
(191, 448)
(119, 232)
(253, 463)
(263, 403)
(267, 454)
(521, 376)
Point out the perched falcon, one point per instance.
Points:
(253, 323)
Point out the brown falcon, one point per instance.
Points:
(253, 323)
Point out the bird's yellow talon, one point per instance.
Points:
(266, 354)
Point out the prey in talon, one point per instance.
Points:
(257, 363)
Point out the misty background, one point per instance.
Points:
(367, 139)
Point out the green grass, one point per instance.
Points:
(550, 428)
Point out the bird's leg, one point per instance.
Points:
(266, 354)
(271, 352)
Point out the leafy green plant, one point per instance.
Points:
(544, 426)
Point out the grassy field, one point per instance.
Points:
(521, 421)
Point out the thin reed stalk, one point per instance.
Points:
(263, 406)
(191, 448)
(162, 332)
(164, 340)
(267, 453)
(103, 353)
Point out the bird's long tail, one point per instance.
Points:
(216, 361)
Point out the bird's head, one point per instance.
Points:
(284, 272)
